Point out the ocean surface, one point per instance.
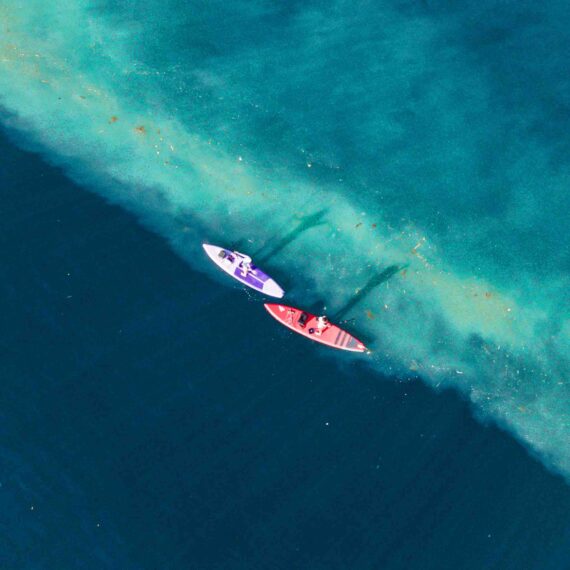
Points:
(402, 165)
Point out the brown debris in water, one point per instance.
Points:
(113, 119)
(358, 225)
(370, 314)
(141, 130)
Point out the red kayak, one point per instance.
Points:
(315, 328)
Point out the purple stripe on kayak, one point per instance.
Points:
(260, 275)
(251, 279)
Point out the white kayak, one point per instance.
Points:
(232, 262)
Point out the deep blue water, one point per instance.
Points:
(154, 418)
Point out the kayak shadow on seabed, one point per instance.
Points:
(376, 280)
(305, 223)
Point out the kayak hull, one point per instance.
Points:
(230, 262)
(305, 324)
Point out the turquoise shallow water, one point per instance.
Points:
(427, 140)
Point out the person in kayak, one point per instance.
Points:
(245, 264)
(322, 324)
